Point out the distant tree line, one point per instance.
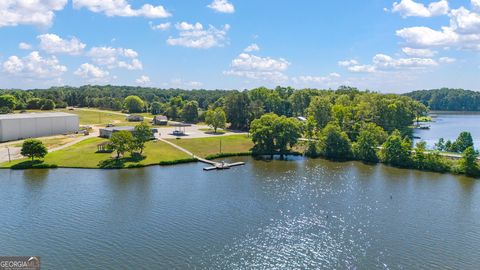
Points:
(446, 99)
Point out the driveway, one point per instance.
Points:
(191, 132)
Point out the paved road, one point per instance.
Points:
(192, 132)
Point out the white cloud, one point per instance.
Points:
(34, 66)
(222, 6)
(464, 21)
(92, 73)
(383, 63)
(463, 32)
(196, 36)
(362, 69)
(24, 46)
(259, 68)
(447, 60)
(476, 4)
(348, 63)
(252, 48)
(424, 36)
(143, 80)
(115, 58)
(54, 44)
(31, 12)
(410, 8)
(121, 8)
(419, 52)
(161, 27)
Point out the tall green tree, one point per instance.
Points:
(272, 134)
(236, 107)
(190, 112)
(141, 135)
(48, 105)
(216, 118)
(121, 142)
(156, 108)
(334, 143)
(286, 132)
(463, 142)
(33, 149)
(321, 109)
(365, 148)
(396, 151)
(8, 102)
(134, 104)
(469, 162)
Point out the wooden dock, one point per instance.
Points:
(213, 165)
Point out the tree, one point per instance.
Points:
(34, 104)
(8, 102)
(216, 118)
(334, 143)
(33, 149)
(262, 134)
(121, 142)
(469, 163)
(237, 110)
(366, 146)
(272, 134)
(463, 142)
(134, 104)
(156, 108)
(396, 151)
(190, 112)
(321, 109)
(141, 135)
(286, 132)
(47, 105)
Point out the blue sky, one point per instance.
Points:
(387, 46)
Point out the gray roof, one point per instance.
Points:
(127, 128)
(35, 115)
(161, 118)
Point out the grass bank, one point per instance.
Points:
(83, 155)
(210, 147)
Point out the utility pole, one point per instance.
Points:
(9, 158)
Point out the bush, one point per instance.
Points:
(35, 164)
(178, 161)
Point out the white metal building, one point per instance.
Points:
(32, 125)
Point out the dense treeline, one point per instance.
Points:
(110, 97)
(446, 99)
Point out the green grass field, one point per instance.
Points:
(210, 146)
(83, 155)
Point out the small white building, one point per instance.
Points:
(32, 125)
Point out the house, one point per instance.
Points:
(134, 118)
(33, 125)
(160, 120)
(108, 131)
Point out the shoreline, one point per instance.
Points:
(227, 155)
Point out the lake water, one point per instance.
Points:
(449, 125)
(281, 214)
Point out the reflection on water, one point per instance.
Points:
(298, 213)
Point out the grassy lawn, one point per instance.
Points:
(83, 155)
(210, 146)
(96, 118)
(54, 142)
